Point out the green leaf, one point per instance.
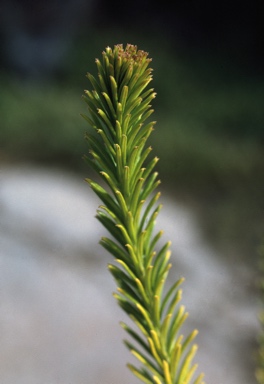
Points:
(136, 337)
(105, 197)
(173, 288)
(142, 375)
(115, 250)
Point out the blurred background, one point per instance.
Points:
(208, 74)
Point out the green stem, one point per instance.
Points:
(119, 105)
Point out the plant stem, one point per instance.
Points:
(119, 105)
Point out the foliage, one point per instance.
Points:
(33, 125)
(119, 106)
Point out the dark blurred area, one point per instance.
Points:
(37, 36)
(208, 72)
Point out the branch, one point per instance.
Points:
(119, 105)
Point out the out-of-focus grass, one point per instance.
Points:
(41, 123)
(209, 135)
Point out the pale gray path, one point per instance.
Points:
(58, 320)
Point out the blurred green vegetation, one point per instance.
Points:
(209, 134)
